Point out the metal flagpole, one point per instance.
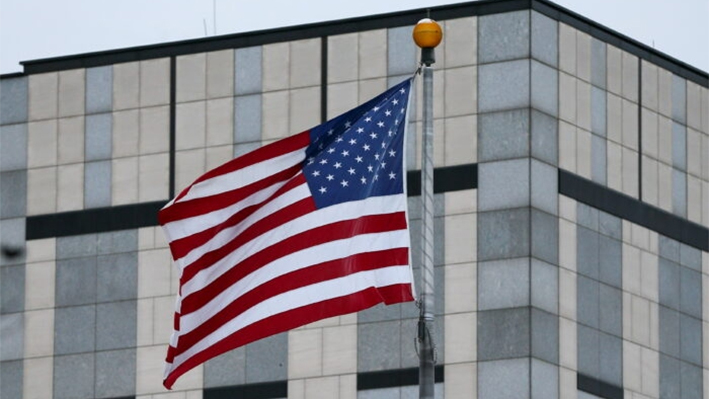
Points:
(427, 35)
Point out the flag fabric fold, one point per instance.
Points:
(309, 227)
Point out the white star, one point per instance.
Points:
(366, 147)
(380, 124)
(368, 119)
(348, 124)
(323, 161)
(353, 142)
(390, 132)
(392, 153)
(384, 165)
(351, 171)
(373, 135)
(338, 139)
(316, 173)
(384, 145)
(311, 160)
(376, 177)
(338, 165)
(363, 180)
(376, 156)
(320, 147)
(322, 190)
(375, 109)
(395, 101)
(345, 153)
(358, 159)
(330, 177)
(392, 176)
(360, 130)
(344, 183)
(370, 168)
(330, 150)
(330, 132)
(402, 90)
(387, 113)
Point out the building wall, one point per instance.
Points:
(540, 291)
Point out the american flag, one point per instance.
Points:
(309, 227)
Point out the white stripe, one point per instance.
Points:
(300, 297)
(329, 251)
(188, 226)
(335, 213)
(244, 176)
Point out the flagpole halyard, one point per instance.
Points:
(427, 35)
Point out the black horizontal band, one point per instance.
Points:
(264, 390)
(597, 387)
(393, 378)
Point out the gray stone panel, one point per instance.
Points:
(503, 234)
(380, 312)
(610, 258)
(690, 381)
(267, 359)
(13, 147)
(115, 373)
(401, 51)
(76, 246)
(545, 88)
(679, 99)
(117, 277)
(690, 292)
(226, 369)
(12, 232)
(503, 85)
(12, 335)
(679, 192)
(503, 135)
(588, 292)
(598, 63)
(241, 149)
(610, 310)
(587, 250)
(669, 332)
(669, 248)
(503, 184)
(117, 241)
(247, 70)
(503, 379)
(11, 375)
(99, 141)
(545, 39)
(611, 359)
(545, 187)
(690, 342)
(610, 225)
(598, 111)
(503, 284)
(503, 334)
(670, 380)
(588, 351)
(75, 281)
(669, 283)
(13, 194)
(545, 138)
(545, 336)
(545, 240)
(587, 216)
(12, 289)
(690, 257)
(116, 325)
(679, 146)
(74, 329)
(545, 286)
(545, 380)
(74, 376)
(247, 118)
(13, 100)
(99, 89)
(503, 37)
(378, 346)
(97, 184)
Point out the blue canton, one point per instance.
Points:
(360, 153)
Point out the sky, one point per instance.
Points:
(35, 29)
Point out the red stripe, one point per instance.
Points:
(200, 206)
(268, 223)
(295, 318)
(319, 235)
(300, 278)
(183, 246)
(275, 149)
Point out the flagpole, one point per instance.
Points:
(427, 35)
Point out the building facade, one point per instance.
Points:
(572, 210)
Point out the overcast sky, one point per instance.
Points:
(34, 29)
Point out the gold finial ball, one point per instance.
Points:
(427, 33)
